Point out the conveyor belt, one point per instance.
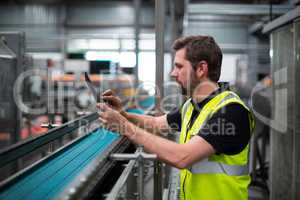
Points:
(53, 174)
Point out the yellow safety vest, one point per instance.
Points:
(220, 176)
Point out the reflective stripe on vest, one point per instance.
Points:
(212, 167)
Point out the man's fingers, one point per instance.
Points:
(110, 99)
(102, 106)
(103, 121)
(101, 114)
(108, 92)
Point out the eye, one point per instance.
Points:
(178, 66)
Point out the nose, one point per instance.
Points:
(174, 73)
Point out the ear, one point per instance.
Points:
(202, 69)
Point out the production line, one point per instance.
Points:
(78, 166)
(74, 160)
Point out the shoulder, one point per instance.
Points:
(228, 130)
(232, 110)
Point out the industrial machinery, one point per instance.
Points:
(74, 171)
(76, 160)
(12, 54)
(93, 165)
(285, 110)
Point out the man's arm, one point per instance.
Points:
(156, 125)
(178, 155)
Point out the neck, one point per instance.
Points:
(203, 90)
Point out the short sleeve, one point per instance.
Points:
(228, 131)
(174, 119)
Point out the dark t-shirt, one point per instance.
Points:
(227, 131)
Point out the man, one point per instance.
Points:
(215, 126)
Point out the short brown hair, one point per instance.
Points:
(200, 48)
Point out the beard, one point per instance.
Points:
(191, 86)
(183, 91)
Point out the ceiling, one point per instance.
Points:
(146, 1)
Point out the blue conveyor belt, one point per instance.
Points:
(56, 172)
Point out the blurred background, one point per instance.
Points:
(125, 45)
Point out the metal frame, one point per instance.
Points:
(159, 38)
(284, 151)
(174, 184)
(281, 21)
(137, 28)
(296, 152)
(139, 156)
(159, 80)
(15, 41)
(82, 186)
(237, 9)
(121, 181)
(4, 47)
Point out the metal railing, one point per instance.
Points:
(137, 159)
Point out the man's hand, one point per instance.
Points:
(113, 120)
(115, 102)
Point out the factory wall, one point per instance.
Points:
(296, 155)
(48, 26)
(230, 33)
(42, 24)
